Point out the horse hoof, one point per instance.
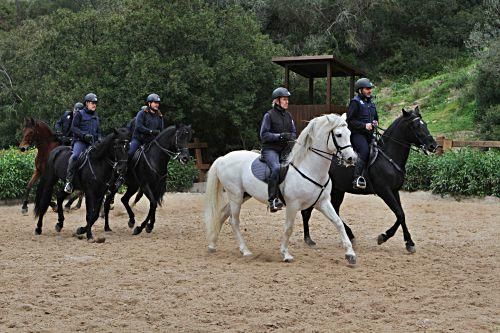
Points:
(211, 249)
(91, 240)
(108, 230)
(58, 227)
(79, 236)
(288, 259)
(24, 211)
(149, 229)
(131, 224)
(411, 248)
(38, 232)
(351, 259)
(67, 209)
(310, 242)
(381, 239)
(80, 230)
(137, 231)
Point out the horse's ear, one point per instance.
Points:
(405, 113)
(417, 111)
(344, 116)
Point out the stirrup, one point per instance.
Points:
(275, 205)
(359, 183)
(68, 188)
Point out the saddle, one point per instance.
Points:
(262, 172)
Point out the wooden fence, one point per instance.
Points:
(447, 144)
(197, 146)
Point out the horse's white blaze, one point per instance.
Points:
(232, 173)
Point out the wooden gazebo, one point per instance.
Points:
(311, 67)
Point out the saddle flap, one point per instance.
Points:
(262, 172)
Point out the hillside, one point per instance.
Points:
(446, 101)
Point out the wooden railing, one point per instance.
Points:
(447, 144)
(197, 146)
(301, 114)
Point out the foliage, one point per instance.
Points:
(16, 169)
(458, 172)
(211, 66)
(181, 177)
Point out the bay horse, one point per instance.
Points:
(148, 173)
(37, 133)
(99, 164)
(385, 175)
(306, 184)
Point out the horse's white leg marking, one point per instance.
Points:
(290, 220)
(325, 207)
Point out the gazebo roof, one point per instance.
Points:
(316, 66)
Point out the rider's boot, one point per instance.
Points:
(275, 203)
(359, 181)
(70, 175)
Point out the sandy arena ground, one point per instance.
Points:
(167, 281)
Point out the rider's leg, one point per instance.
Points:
(272, 159)
(360, 143)
(78, 147)
(134, 145)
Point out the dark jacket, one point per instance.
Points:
(63, 125)
(86, 122)
(275, 122)
(145, 123)
(361, 111)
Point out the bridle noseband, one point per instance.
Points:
(328, 155)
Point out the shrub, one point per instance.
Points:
(181, 177)
(457, 172)
(16, 169)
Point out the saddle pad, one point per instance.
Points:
(260, 170)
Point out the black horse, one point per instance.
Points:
(385, 175)
(148, 172)
(100, 165)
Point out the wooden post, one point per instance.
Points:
(447, 144)
(439, 141)
(329, 85)
(311, 90)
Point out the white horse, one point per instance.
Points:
(306, 184)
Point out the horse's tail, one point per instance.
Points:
(214, 212)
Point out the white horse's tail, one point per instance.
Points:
(214, 215)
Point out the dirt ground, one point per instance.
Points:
(167, 281)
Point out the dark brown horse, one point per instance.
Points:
(39, 134)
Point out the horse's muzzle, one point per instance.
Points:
(23, 149)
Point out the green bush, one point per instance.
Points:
(16, 169)
(459, 172)
(181, 177)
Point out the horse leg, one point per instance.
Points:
(306, 215)
(152, 207)
(138, 197)
(392, 200)
(325, 207)
(79, 203)
(68, 204)
(233, 209)
(61, 195)
(337, 197)
(125, 199)
(225, 213)
(291, 213)
(107, 205)
(34, 178)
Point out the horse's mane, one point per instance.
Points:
(42, 123)
(389, 132)
(102, 147)
(305, 139)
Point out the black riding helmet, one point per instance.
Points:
(153, 98)
(90, 97)
(77, 106)
(363, 83)
(280, 92)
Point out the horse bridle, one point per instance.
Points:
(329, 156)
(408, 144)
(171, 154)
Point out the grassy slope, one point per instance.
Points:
(446, 102)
